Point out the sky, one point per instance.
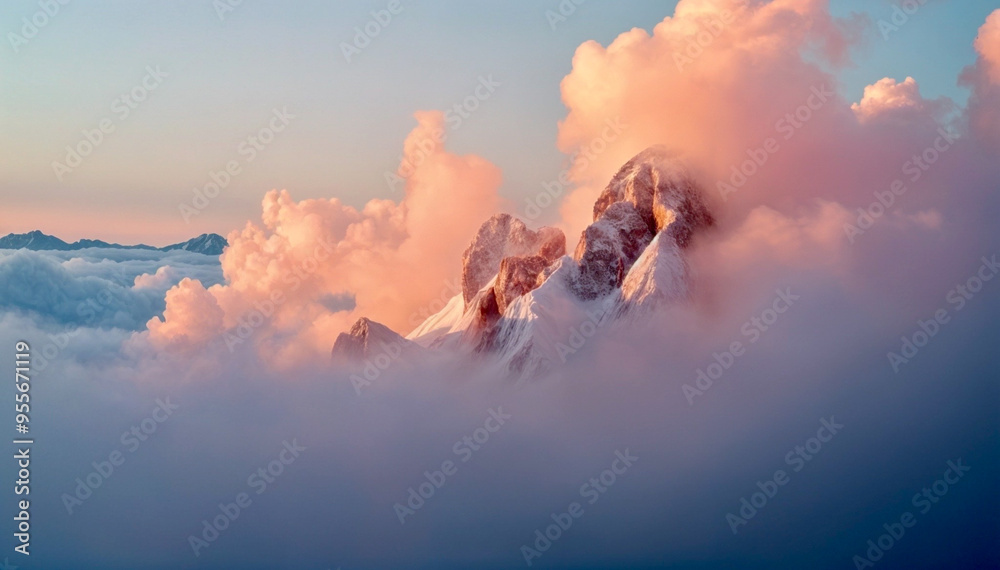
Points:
(225, 75)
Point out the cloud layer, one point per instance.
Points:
(98, 288)
(310, 267)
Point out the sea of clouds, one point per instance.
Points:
(158, 333)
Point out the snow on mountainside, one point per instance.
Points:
(525, 304)
(208, 244)
(439, 324)
(34, 240)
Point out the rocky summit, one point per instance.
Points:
(522, 294)
(500, 237)
(368, 339)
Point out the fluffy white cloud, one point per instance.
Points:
(96, 287)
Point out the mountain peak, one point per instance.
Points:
(209, 244)
(368, 339)
(520, 292)
(36, 240)
(502, 236)
(660, 186)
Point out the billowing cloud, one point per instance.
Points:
(901, 101)
(714, 81)
(192, 316)
(984, 79)
(98, 288)
(163, 275)
(988, 46)
(799, 175)
(392, 259)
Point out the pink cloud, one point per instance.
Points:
(744, 91)
(984, 79)
(988, 46)
(192, 317)
(711, 81)
(887, 98)
(393, 258)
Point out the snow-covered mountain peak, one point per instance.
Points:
(522, 297)
(660, 186)
(504, 236)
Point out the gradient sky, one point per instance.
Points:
(226, 76)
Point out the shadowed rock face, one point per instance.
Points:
(607, 248)
(487, 310)
(662, 191)
(348, 348)
(632, 256)
(368, 338)
(517, 276)
(652, 194)
(505, 236)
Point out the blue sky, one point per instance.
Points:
(226, 76)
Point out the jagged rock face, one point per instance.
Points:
(488, 309)
(367, 339)
(348, 348)
(608, 248)
(680, 214)
(552, 244)
(632, 257)
(651, 195)
(504, 236)
(662, 191)
(517, 276)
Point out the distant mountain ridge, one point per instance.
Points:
(208, 244)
